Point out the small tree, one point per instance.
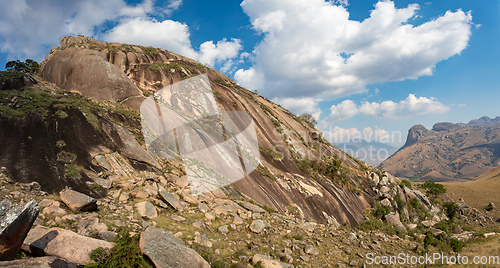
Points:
(450, 208)
(433, 189)
(309, 118)
(28, 66)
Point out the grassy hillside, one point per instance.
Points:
(479, 192)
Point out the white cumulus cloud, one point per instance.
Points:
(167, 34)
(311, 47)
(301, 106)
(224, 50)
(28, 28)
(409, 107)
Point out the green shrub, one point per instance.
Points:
(456, 245)
(489, 207)
(380, 211)
(72, 171)
(96, 187)
(443, 226)
(371, 225)
(66, 157)
(428, 240)
(150, 51)
(297, 237)
(61, 114)
(399, 203)
(405, 183)
(125, 253)
(450, 209)
(433, 189)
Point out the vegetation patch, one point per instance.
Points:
(271, 152)
(150, 51)
(73, 171)
(125, 253)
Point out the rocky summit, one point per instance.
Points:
(448, 152)
(76, 142)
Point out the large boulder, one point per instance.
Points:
(146, 210)
(166, 250)
(62, 243)
(257, 226)
(88, 72)
(15, 222)
(77, 201)
(41, 262)
(393, 219)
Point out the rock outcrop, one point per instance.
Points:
(15, 222)
(15, 80)
(77, 201)
(62, 243)
(88, 72)
(166, 250)
(40, 262)
(297, 169)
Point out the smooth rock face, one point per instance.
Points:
(41, 262)
(15, 223)
(267, 262)
(62, 243)
(88, 72)
(166, 250)
(77, 201)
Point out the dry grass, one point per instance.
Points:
(483, 247)
(479, 192)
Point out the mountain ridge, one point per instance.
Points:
(298, 169)
(451, 151)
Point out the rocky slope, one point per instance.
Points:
(79, 127)
(448, 152)
(178, 229)
(63, 139)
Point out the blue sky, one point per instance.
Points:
(364, 68)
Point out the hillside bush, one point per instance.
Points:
(450, 209)
(125, 253)
(433, 189)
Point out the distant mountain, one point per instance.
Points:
(448, 151)
(485, 121)
(371, 152)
